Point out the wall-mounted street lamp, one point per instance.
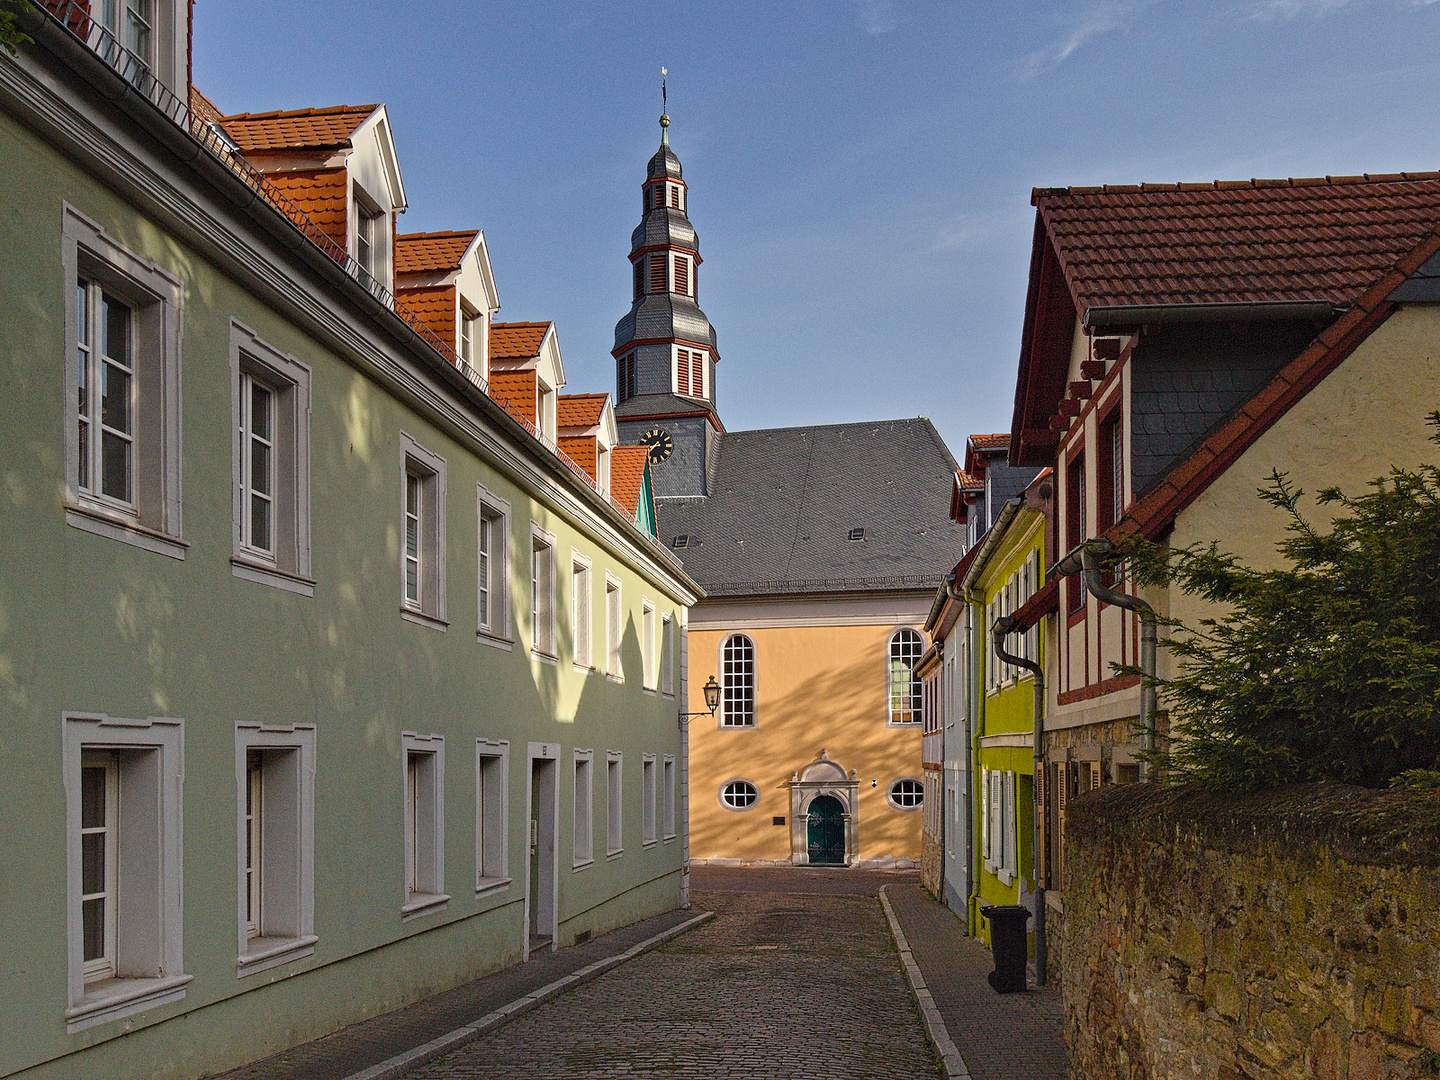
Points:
(711, 690)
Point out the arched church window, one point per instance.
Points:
(737, 682)
(906, 646)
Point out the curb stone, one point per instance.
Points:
(935, 1029)
(400, 1064)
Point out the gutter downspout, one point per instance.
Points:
(1004, 626)
(1087, 558)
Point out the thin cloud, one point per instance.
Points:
(1087, 25)
(877, 16)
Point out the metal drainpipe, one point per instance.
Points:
(1004, 626)
(1087, 558)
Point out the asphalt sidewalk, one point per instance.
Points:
(979, 1034)
(394, 1043)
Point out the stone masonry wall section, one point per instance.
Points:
(1294, 933)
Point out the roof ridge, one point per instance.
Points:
(286, 114)
(442, 234)
(843, 424)
(1254, 183)
(545, 322)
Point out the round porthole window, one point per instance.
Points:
(907, 793)
(739, 795)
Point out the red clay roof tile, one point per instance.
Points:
(516, 341)
(298, 129)
(581, 450)
(435, 304)
(320, 193)
(627, 474)
(579, 410)
(420, 252)
(998, 441)
(517, 388)
(1326, 238)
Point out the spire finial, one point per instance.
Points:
(664, 109)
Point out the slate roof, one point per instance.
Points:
(662, 227)
(627, 475)
(661, 316)
(643, 405)
(785, 500)
(1326, 238)
(663, 163)
(579, 410)
(419, 252)
(298, 129)
(517, 340)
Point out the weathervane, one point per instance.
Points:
(664, 109)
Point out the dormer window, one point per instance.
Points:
(132, 24)
(545, 413)
(602, 470)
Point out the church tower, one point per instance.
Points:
(665, 352)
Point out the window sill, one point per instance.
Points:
(495, 641)
(618, 679)
(253, 570)
(904, 724)
(668, 696)
(422, 619)
(114, 999)
(668, 838)
(269, 952)
(486, 886)
(648, 691)
(582, 864)
(648, 843)
(735, 727)
(544, 657)
(583, 669)
(422, 904)
(614, 854)
(94, 521)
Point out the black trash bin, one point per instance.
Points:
(1007, 942)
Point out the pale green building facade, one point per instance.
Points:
(326, 684)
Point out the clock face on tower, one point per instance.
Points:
(660, 444)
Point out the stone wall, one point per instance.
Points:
(1290, 934)
(931, 864)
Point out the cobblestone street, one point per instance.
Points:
(776, 986)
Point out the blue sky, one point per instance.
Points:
(860, 172)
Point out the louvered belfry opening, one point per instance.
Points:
(657, 272)
(682, 275)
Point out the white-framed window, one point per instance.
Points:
(669, 780)
(424, 812)
(492, 815)
(999, 823)
(647, 643)
(739, 795)
(667, 655)
(422, 513)
(270, 464)
(614, 629)
(614, 805)
(492, 568)
(648, 795)
(372, 237)
(472, 338)
(583, 828)
(132, 23)
(542, 592)
(122, 385)
(275, 849)
(123, 808)
(903, 685)
(907, 793)
(580, 603)
(737, 682)
(689, 372)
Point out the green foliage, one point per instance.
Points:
(1327, 668)
(11, 36)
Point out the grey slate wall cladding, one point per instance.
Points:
(683, 472)
(1186, 382)
(785, 499)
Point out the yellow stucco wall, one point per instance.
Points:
(1367, 415)
(817, 687)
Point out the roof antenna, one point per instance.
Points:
(664, 108)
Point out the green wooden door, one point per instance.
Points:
(825, 832)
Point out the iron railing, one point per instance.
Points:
(74, 17)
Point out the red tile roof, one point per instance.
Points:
(581, 450)
(516, 341)
(419, 252)
(579, 410)
(435, 304)
(298, 129)
(203, 109)
(627, 474)
(966, 482)
(516, 387)
(1235, 241)
(320, 193)
(998, 441)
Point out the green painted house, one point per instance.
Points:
(327, 683)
